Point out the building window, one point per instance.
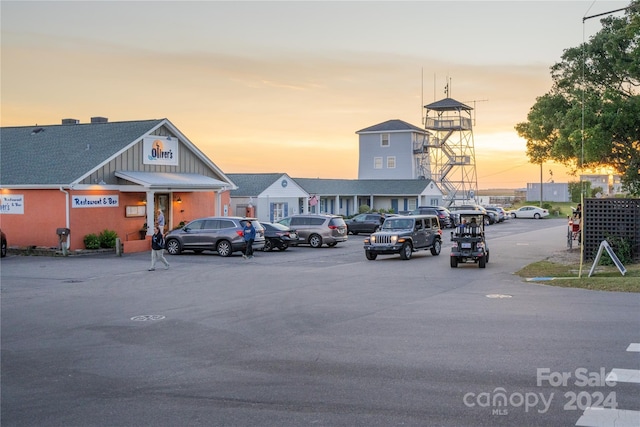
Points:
(384, 140)
(278, 211)
(412, 204)
(377, 162)
(391, 162)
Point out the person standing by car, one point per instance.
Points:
(249, 233)
(157, 249)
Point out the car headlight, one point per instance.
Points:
(394, 239)
(372, 238)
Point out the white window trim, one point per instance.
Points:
(391, 159)
(385, 137)
(377, 162)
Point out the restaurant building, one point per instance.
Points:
(89, 177)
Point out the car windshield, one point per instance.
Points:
(397, 224)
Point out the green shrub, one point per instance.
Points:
(91, 241)
(108, 239)
(364, 209)
(623, 248)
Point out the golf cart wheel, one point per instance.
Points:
(482, 261)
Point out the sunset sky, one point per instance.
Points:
(283, 86)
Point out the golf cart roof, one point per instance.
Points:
(468, 212)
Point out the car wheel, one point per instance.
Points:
(315, 241)
(486, 256)
(406, 251)
(482, 262)
(513, 215)
(223, 248)
(3, 251)
(268, 246)
(536, 216)
(173, 247)
(454, 262)
(283, 247)
(437, 246)
(355, 233)
(370, 255)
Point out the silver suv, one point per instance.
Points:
(404, 235)
(316, 230)
(220, 234)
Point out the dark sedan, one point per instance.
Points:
(277, 236)
(364, 223)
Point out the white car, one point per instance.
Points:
(529, 212)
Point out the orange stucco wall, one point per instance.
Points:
(45, 211)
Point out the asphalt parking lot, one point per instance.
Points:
(308, 337)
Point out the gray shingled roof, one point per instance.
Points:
(447, 104)
(378, 187)
(392, 125)
(61, 154)
(252, 184)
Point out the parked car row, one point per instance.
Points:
(389, 233)
(225, 235)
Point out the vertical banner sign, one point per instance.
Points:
(160, 150)
(12, 204)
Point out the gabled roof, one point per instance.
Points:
(447, 104)
(392, 126)
(252, 184)
(378, 187)
(62, 154)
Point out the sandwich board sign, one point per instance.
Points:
(605, 245)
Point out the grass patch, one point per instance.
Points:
(605, 278)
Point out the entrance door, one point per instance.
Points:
(161, 203)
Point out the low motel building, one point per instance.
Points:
(91, 177)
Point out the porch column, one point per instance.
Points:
(150, 212)
(337, 205)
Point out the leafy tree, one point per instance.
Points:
(597, 83)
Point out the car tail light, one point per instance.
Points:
(240, 233)
(333, 227)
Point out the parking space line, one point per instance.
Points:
(601, 417)
(624, 376)
(634, 346)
